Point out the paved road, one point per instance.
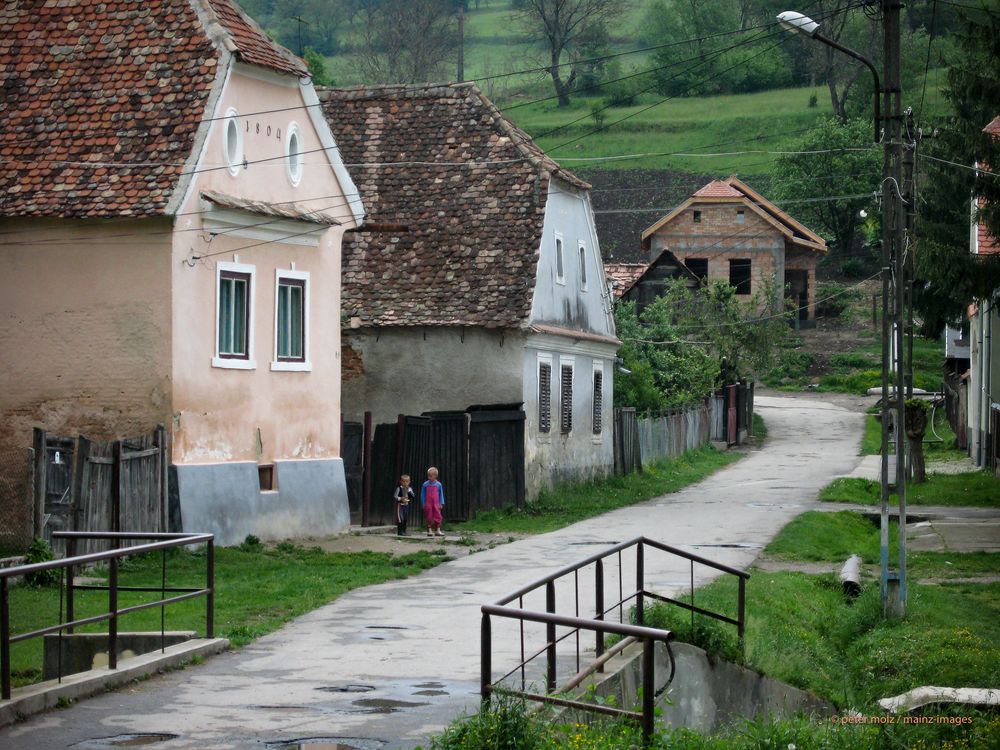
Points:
(389, 665)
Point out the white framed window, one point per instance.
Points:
(544, 394)
(565, 395)
(293, 153)
(598, 404)
(234, 288)
(291, 321)
(560, 260)
(741, 216)
(232, 142)
(582, 252)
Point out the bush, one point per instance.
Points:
(504, 724)
(38, 552)
(250, 544)
(852, 268)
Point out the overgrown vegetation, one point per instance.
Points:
(677, 348)
(257, 590)
(575, 501)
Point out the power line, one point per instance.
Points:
(777, 203)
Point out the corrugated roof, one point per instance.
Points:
(102, 99)
(470, 251)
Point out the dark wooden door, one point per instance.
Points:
(496, 459)
(732, 419)
(353, 454)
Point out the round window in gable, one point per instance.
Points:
(232, 142)
(293, 153)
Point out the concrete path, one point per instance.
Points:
(389, 665)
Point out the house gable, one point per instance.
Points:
(456, 199)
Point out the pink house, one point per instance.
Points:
(172, 206)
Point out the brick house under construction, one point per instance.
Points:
(728, 232)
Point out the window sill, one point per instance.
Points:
(234, 364)
(291, 367)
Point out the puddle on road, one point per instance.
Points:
(384, 705)
(349, 688)
(431, 692)
(429, 685)
(128, 740)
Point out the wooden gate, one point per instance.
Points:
(496, 459)
(352, 451)
(479, 454)
(732, 415)
(92, 486)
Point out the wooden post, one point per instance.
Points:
(366, 470)
(80, 457)
(41, 459)
(161, 459)
(116, 486)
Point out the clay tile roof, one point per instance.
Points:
(624, 275)
(253, 46)
(994, 127)
(718, 189)
(101, 100)
(473, 231)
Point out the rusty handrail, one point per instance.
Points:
(597, 623)
(161, 541)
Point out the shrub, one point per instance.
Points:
(813, 101)
(38, 552)
(250, 544)
(852, 268)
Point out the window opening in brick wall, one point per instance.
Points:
(697, 217)
(697, 266)
(739, 275)
(741, 216)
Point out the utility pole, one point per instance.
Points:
(894, 284)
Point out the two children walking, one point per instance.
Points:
(431, 501)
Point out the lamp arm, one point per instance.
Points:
(870, 65)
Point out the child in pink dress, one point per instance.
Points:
(432, 501)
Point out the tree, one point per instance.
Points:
(406, 41)
(699, 63)
(675, 349)
(317, 68)
(561, 24)
(949, 277)
(836, 160)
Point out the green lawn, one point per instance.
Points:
(816, 535)
(576, 501)
(977, 488)
(257, 590)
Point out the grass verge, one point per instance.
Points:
(575, 501)
(257, 590)
(976, 488)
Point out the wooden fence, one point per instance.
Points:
(84, 485)
(674, 432)
(479, 453)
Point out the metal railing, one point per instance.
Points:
(66, 566)
(599, 625)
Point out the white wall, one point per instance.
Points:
(564, 301)
(581, 453)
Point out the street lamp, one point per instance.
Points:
(801, 24)
(894, 273)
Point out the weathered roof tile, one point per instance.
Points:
(469, 187)
(100, 100)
